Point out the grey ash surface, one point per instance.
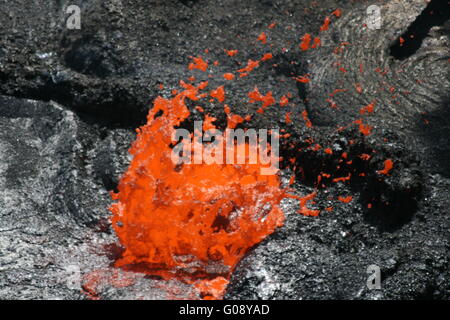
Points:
(71, 99)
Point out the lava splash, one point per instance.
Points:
(193, 222)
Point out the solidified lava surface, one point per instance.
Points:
(364, 150)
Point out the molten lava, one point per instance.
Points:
(190, 221)
(195, 220)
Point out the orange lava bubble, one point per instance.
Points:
(343, 179)
(287, 117)
(326, 24)
(337, 13)
(250, 66)
(231, 53)
(284, 101)
(365, 129)
(367, 109)
(345, 199)
(304, 210)
(305, 117)
(263, 38)
(306, 41)
(198, 63)
(189, 221)
(267, 99)
(218, 93)
(228, 76)
(267, 56)
(388, 166)
(302, 79)
(317, 43)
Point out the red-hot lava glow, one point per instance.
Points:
(191, 221)
(194, 222)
